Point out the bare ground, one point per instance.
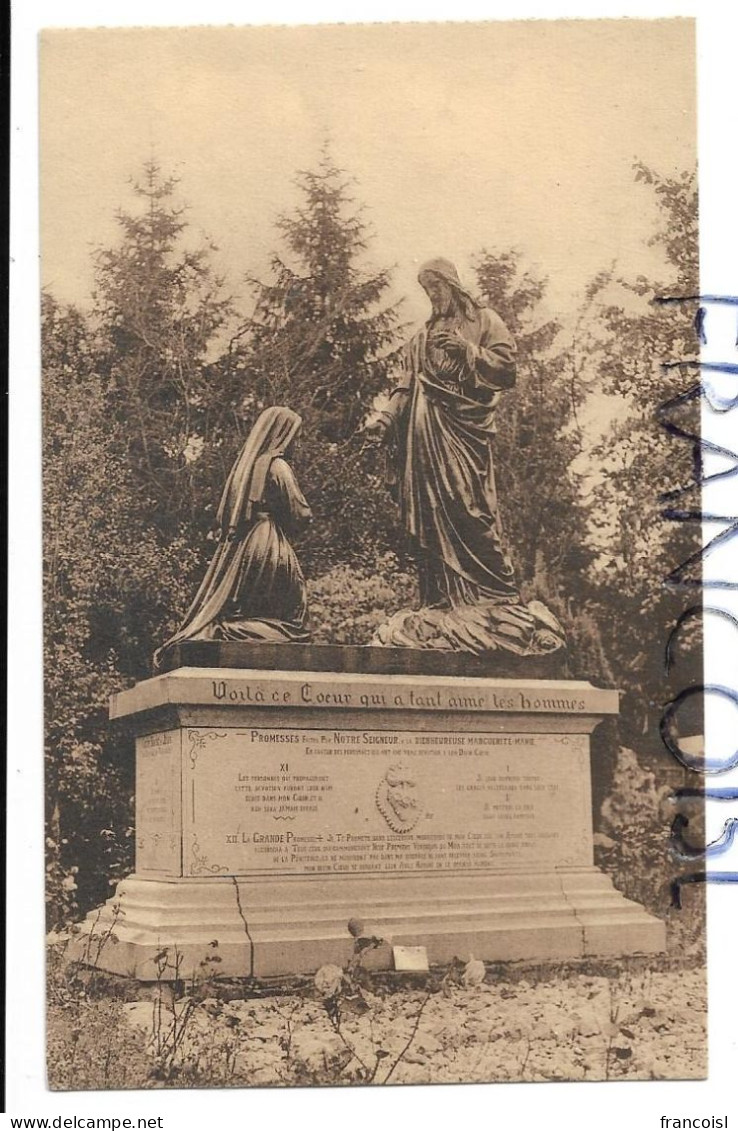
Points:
(637, 1024)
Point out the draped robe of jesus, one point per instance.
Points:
(439, 428)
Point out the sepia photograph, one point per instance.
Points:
(372, 622)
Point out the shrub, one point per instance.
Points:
(348, 602)
(634, 848)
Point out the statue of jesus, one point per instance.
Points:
(439, 428)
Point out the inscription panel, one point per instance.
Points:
(310, 802)
(236, 689)
(158, 804)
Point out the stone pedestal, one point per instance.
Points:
(445, 811)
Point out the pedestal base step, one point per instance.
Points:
(269, 927)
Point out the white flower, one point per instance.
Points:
(378, 411)
(54, 938)
(193, 449)
(474, 972)
(328, 980)
(355, 928)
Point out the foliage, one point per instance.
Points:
(536, 442)
(321, 340)
(590, 1019)
(644, 470)
(536, 447)
(90, 1047)
(344, 993)
(349, 601)
(191, 1037)
(635, 848)
(148, 398)
(88, 1044)
(109, 583)
(159, 312)
(145, 404)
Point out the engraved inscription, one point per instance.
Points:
(300, 802)
(404, 697)
(158, 803)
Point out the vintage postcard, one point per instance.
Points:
(373, 624)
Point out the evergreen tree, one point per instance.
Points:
(320, 341)
(127, 395)
(160, 315)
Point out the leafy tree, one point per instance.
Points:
(644, 469)
(537, 444)
(109, 584)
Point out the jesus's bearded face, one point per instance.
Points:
(439, 292)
